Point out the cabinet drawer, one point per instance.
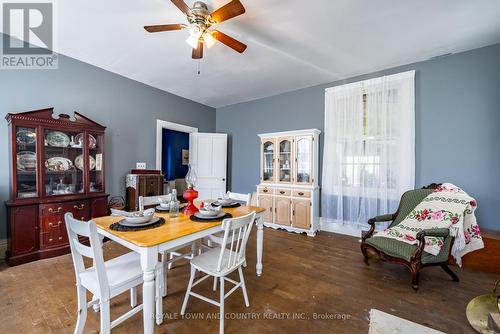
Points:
(51, 239)
(265, 190)
(56, 209)
(300, 193)
(283, 192)
(52, 223)
(80, 210)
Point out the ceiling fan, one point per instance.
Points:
(200, 27)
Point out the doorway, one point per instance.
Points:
(172, 154)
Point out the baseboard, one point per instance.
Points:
(3, 248)
(346, 228)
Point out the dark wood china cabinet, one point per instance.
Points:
(56, 166)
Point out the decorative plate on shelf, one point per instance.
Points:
(26, 161)
(25, 137)
(57, 139)
(79, 162)
(58, 164)
(79, 140)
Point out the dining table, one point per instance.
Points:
(174, 233)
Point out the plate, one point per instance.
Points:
(224, 205)
(25, 137)
(26, 161)
(79, 140)
(79, 162)
(58, 164)
(57, 139)
(129, 224)
(219, 215)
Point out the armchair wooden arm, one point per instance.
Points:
(436, 232)
(372, 221)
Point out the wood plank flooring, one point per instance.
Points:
(304, 278)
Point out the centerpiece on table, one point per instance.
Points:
(190, 194)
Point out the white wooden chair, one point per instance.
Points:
(221, 261)
(218, 237)
(104, 280)
(172, 255)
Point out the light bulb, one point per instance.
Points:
(209, 39)
(192, 41)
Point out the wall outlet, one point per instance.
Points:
(140, 165)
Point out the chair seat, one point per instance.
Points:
(404, 250)
(123, 273)
(207, 262)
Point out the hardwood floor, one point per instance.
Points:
(303, 277)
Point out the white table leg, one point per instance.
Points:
(149, 259)
(260, 241)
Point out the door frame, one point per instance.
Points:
(160, 125)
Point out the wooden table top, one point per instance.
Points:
(173, 228)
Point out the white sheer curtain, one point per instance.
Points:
(369, 151)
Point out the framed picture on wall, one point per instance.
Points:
(185, 157)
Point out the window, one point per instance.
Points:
(368, 159)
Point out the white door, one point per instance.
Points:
(208, 157)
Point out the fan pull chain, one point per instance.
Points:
(199, 66)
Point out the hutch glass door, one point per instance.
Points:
(26, 181)
(63, 162)
(304, 159)
(268, 160)
(96, 161)
(285, 160)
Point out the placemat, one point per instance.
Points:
(121, 228)
(235, 205)
(209, 220)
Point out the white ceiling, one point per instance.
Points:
(291, 43)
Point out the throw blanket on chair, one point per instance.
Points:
(447, 207)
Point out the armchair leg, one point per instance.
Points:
(414, 277)
(365, 254)
(450, 272)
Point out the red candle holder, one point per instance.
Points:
(190, 195)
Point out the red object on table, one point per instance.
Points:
(190, 195)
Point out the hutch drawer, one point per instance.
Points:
(283, 192)
(300, 193)
(265, 190)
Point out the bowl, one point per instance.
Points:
(225, 201)
(164, 205)
(208, 213)
(138, 220)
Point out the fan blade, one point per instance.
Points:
(198, 52)
(228, 11)
(164, 27)
(229, 41)
(182, 6)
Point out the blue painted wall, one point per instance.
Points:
(173, 144)
(457, 125)
(128, 108)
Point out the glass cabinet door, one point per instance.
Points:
(26, 180)
(303, 159)
(285, 160)
(96, 161)
(63, 162)
(268, 160)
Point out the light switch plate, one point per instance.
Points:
(140, 165)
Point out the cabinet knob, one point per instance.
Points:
(301, 193)
(50, 239)
(282, 192)
(264, 191)
(60, 238)
(79, 207)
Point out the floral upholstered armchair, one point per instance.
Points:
(412, 256)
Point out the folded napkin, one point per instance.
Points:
(121, 213)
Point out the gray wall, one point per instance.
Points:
(128, 108)
(457, 125)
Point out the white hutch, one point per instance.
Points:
(288, 188)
